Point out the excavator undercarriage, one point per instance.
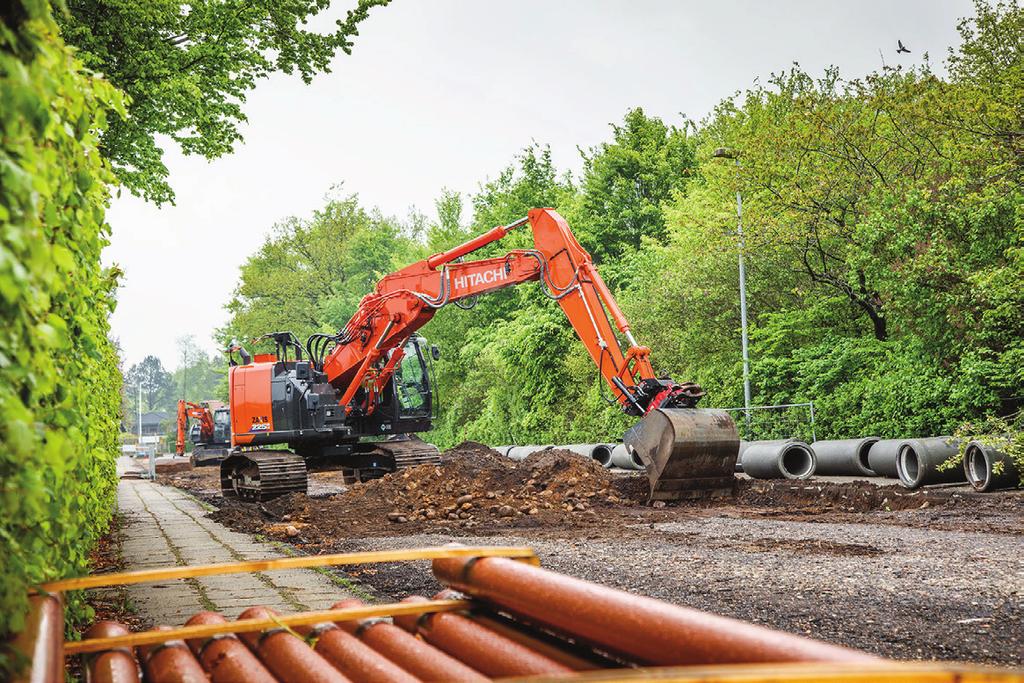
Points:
(261, 474)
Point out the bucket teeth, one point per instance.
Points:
(687, 452)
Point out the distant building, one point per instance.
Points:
(155, 422)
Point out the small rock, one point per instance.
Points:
(489, 495)
(658, 504)
(291, 531)
(286, 518)
(462, 500)
(505, 511)
(464, 515)
(579, 507)
(466, 506)
(532, 511)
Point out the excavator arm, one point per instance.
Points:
(406, 300)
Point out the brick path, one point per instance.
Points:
(165, 527)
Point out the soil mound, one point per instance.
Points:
(472, 486)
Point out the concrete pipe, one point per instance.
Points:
(739, 455)
(988, 468)
(778, 460)
(626, 458)
(523, 452)
(601, 452)
(882, 457)
(918, 460)
(844, 457)
(406, 650)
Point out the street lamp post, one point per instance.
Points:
(726, 153)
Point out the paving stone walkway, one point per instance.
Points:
(165, 527)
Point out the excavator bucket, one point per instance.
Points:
(688, 452)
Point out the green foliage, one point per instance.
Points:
(188, 67)
(310, 274)
(198, 376)
(157, 384)
(59, 378)
(884, 248)
(625, 182)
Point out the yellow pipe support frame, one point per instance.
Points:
(165, 574)
(253, 625)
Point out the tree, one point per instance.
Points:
(447, 231)
(198, 376)
(310, 274)
(188, 67)
(625, 182)
(156, 383)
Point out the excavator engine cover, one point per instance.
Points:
(688, 452)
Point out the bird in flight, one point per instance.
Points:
(901, 47)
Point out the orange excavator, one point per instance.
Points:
(210, 432)
(324, 399)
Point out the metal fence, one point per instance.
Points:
(783, 421)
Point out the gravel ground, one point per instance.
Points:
(938, 574)
(900, 592)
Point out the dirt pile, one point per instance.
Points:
(473, 481)
(472, 487)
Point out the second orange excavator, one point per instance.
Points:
(210, 433)
(372, 379)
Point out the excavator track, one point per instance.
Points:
(687, 452)
(262, 475)
(409, 452)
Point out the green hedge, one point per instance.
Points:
(59, 378)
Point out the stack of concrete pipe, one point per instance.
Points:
(777, 459)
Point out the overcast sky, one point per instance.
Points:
(443, 93)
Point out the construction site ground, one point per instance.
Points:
(930, 574)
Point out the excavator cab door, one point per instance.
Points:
(413, 398)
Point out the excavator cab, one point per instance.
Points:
(411, 382)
